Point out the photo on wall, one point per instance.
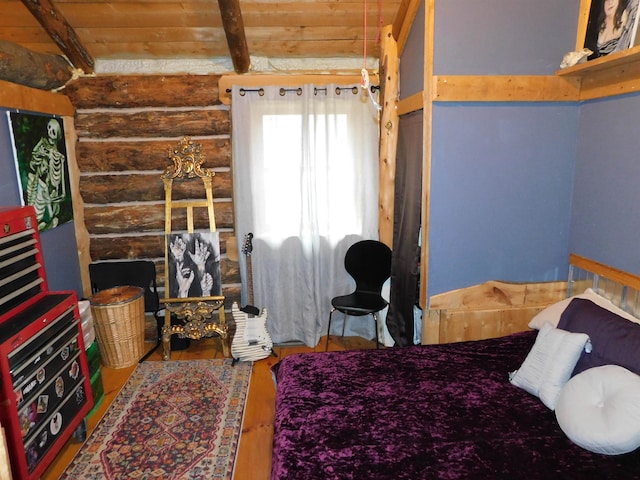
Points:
(194, 264)
(612, 26)
(40, 155)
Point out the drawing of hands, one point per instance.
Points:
(185, 277)
(177, 249)
(200, 256)
(206, 284)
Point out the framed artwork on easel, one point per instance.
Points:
(194, 264)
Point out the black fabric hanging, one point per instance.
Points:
(406, 230)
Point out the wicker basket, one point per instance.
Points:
(118, 317)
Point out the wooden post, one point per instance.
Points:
(427, 113)
(388, 134)
(81, 232)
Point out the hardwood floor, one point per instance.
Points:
(254, 454)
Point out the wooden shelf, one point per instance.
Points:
(615, 74)
(615, 60)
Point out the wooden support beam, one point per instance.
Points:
(404, 21)
(234, 31)
(617, 80)
(504, 88)
(427, 131)
(410, 104)
(20, 97)
(583, 20)
(37, 70)
(81, 233)
(61, 32)
(389, 87)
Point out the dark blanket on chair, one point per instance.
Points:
(423, 412)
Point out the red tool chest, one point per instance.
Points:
(46, 391)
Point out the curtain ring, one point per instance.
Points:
(261, 92)
(299, 91)
(338, 90)
(354, 90)
(282, 92)
(242, 92)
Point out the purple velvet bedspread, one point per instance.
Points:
(423, 412)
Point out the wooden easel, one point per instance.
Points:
(196, 312)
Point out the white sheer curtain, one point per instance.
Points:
(305, 175)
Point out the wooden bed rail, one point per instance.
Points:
(496, 308)
(619, 276)
(488, 310)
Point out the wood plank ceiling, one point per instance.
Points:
(195, 29)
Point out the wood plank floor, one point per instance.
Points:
(254, 454)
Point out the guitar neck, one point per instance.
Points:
(247, 249)
(249, 281)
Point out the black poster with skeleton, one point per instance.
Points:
(41, 165)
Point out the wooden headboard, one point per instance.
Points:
(496, 308)
(622, 288)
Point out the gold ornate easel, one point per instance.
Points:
(196, 312)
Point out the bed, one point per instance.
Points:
(470, 410)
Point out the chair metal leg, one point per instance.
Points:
(326, 346)
(375, 319)
(344, 322)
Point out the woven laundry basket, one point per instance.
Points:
(118, 319)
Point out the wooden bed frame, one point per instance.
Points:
(471, 313)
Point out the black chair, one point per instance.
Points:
(369, 263)
(138, 273)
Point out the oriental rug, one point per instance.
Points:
(174, 420)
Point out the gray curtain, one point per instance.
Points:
(305, 171)
(405, 267)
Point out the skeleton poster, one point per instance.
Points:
(41, 165)
(194, 264)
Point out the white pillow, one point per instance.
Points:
(549, 364)
(599, 410)
(552, 313)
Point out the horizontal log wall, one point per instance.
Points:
(126, 126)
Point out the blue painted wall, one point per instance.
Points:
(411, 70)
(502, 173)
(503, 37)
(518, 186)
(491, 37)
(605, 219)
(59, 244)
(500, 193)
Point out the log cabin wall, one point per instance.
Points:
(125, 126)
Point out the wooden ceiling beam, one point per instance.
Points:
(57, 27)
(234, 30)
(32, 69)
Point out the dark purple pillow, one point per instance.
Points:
(615, 340)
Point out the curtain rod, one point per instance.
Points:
(298, 91)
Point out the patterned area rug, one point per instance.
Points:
(172, 420)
